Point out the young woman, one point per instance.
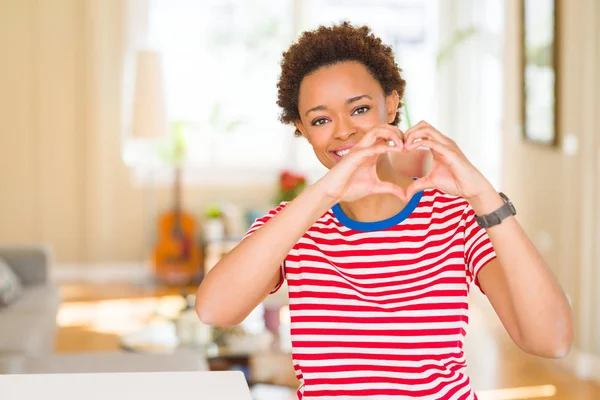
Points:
(378, 264)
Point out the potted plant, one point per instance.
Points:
(214, 228)
(290, 185)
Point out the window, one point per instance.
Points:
(221, 61)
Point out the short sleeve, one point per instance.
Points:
(255, 226)
(478, 246)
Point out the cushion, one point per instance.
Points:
(11, 288)
(43, 298)
(11, 363)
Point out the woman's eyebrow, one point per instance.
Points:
(317, 108)
(349, 101)
(356, 98)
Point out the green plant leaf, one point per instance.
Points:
(212, 211)
(407, 114)
(215, 115)
(173, 150)
(457, 38)
(233, 125)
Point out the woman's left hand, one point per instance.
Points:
(451, 171)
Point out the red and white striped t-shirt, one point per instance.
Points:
(379, 309)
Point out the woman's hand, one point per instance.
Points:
(451, 171)
(355, 175)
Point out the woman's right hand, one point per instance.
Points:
(355, 175)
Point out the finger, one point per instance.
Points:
(418, 186)
(360, 155)
(387, 133)
(426, 132)
(380, 149)
(427, 126)
(431, 145)
(390, 188)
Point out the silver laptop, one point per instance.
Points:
(201, 385)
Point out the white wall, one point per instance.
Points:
(556, 194)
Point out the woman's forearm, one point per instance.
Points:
(247, 274)
(541, 310)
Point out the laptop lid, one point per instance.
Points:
(200, 385)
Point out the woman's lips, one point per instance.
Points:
(342, 150)
(341, 153)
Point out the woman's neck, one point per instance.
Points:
(378, 207)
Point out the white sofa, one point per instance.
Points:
(28, 329)
(28, 326)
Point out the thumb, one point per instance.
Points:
(417, 186)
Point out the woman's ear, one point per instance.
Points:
(300, 128)
(391, 106)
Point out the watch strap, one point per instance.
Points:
(496, 217)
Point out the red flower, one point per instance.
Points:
(289, 181)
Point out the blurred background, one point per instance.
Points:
(140, 139)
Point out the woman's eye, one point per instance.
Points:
(361, 110)
(319, 121)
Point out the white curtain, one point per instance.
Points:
(470, 80)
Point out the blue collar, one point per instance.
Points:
(378, 225)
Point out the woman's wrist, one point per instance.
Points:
(326, 196)
(312, 203)
(486, 202)
(323, 194)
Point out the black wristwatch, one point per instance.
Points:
(494, 218)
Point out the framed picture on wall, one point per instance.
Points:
(540, 77)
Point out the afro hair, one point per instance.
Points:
(327, 46)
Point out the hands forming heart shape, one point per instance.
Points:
(355, 176)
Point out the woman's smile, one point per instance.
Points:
(341, 151)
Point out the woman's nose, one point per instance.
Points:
(344, 129)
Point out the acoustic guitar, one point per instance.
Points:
(177, 255)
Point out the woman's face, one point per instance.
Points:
(338, 104)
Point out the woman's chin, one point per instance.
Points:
(329, 160)
(335, 160)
